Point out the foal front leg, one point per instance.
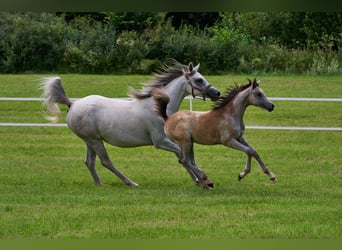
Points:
(242, 145)
(258, 159)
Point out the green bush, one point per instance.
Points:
(31, 42)
(324, 63)
(240, 42)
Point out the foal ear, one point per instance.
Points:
(255, 83)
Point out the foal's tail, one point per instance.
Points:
(161, 99)
(53, 93)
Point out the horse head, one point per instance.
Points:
(257, 96)
(198, 85)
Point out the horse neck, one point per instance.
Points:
(176, 90)
(238, 105)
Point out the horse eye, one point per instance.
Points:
(199, 81)
(259, 94)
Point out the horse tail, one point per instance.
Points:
(161, 99)
(53, 94)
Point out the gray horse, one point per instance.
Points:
(126, 123)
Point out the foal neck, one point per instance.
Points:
(238, 105)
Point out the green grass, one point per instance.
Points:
(47, 192)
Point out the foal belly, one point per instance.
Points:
(206, 140)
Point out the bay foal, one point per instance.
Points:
(221, 125)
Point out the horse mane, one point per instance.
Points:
(229, 95)
(163, 76)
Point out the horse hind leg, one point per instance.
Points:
(90, 163)
(100, 150)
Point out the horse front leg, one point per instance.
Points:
(242, 145)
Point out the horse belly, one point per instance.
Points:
(115, 122)
(124, 129)
(126, 137)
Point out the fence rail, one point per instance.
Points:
(300, 99)
(11, 124)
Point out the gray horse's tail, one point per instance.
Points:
(162, 100)
(53, 94)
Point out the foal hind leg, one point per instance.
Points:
(188, 161)
(166, 144)
(90, 163)
(208, 182)
(100, 150)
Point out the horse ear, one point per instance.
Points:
(191, 66)
(196, 68)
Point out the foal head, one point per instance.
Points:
(256, 96)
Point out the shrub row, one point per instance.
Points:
(44, 42)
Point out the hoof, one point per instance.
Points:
(240, 178)
(274, 179)
(133, 184)
(210, 185)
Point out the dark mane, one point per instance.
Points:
(163, 76)
(229, 95)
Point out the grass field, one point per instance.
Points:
(47, 192)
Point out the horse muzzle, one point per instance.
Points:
(212, 93)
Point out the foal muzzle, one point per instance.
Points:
(270, 107)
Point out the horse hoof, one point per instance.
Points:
(239, 178)
(133, 184)
(274, 179)
(210, 185)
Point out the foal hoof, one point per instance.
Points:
(240, 177)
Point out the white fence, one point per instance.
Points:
(190, 98)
